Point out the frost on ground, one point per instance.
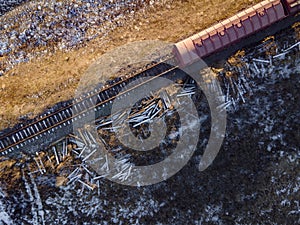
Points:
(254, 179)
(52, 25)
(92, 209)
(4, 216)
(7, 5)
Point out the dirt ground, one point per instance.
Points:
(29, 88)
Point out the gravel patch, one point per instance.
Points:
(50, 25)
(7, 5)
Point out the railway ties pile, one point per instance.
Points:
(69, 157)
(151, 108)
(31, 137)
(237, 79)
(66, 148)
(246, 70)
(239, 76)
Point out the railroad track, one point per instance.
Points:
(31, 137)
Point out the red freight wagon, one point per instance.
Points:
(234, 29)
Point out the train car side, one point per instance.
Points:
(292, 6)
(232, 30)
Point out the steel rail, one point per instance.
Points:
(48, 126)
(81, 100)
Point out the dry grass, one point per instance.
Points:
(31, 87)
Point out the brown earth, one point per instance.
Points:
(29, 88)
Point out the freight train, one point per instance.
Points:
(214, 39)
(233, 30)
